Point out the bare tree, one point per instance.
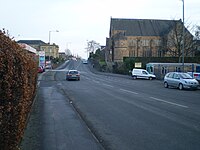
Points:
(197, 40)
(92, 46)
(68, 52)
(197, 32)
(174, 39)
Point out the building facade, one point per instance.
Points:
(51, 50)
(145, 38)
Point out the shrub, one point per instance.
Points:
(18, 76)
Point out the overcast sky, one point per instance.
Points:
(80, 20)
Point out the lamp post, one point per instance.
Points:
(49, 53)
(87, 51)
(50, 35)
(50, 41)
(183, 44)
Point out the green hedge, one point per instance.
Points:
(130, 62)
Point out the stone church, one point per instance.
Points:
(145, 38)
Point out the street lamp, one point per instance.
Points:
(50, 41)
(50, 35)
(49, 53)
(183, 46)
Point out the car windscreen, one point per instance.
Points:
(185, 76)
(73, 72)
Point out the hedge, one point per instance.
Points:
(18, 77)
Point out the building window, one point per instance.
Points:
(146, 42)
(159, 53)
(164, 70)
(178, 69)
(149, 53)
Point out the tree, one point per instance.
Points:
(173, 41)
(197, 40)
(68, 52)
(197, 32)
(92, 46)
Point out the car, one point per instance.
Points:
(72, 75)
(142, 74)
(85, 61)
(195, 75)
(180, 80)
(43, 68)
(40, 69)
(48, 67)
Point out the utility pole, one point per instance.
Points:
(50, 35)
(50, 50)
(183, 46)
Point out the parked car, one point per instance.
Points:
(48, 67)
(195, 75)
(43, 68)
(142, 74)
(180, 80)
(40, 69)
(72, 75)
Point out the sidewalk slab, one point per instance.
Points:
(55, 125)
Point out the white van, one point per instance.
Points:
(143, 74)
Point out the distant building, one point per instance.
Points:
(62, 55)
(50, 50)
(33, 43)
(32, 51)
(28, 48)
(145, 38)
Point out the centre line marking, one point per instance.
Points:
(107, 85)
(157, 99)
(96, 81)
(128, 91)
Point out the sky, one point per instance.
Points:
(79, 21)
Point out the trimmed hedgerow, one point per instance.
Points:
(18, 77)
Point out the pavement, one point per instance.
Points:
(54, 124)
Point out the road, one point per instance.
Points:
(126, 114)
(135, 114)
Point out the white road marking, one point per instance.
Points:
(107, 85)
(86, 78)
(38, 84)
(56, 70)
(78, 66)
(128, 91)
(96, 81)
(157, 99)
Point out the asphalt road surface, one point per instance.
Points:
(127, 114)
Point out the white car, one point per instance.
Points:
(142, 74)
(180, 80)
(48, 67)
(73, 75)
(85, 61)
(195, 75)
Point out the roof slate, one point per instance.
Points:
(142, 27)
(32, 42)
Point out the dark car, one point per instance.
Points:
(72, 75)
(180, 80)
